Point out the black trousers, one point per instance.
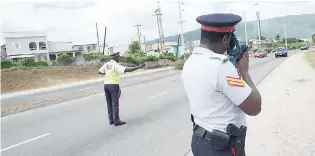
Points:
(112, 93)
(202, 147)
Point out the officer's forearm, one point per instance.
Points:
(131, 69)
(248, 80)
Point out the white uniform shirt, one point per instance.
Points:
(214, 89)
(112, 71)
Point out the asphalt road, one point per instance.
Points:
(157, 115)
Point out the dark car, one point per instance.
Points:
(304, 47)
(281, 52)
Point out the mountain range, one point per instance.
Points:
(297, 26)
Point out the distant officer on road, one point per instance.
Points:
(112, 71)
(219, 93)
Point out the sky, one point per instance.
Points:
(75, 20)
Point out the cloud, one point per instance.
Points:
(75, 20)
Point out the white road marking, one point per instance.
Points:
(24, 142)
(157, 95)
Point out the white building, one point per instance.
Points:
(57, 47)
(19, 46)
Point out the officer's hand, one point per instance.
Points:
(243, 64)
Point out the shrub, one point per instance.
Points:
(65, 59)
(7, 64)
(105, 58)
(41, 63)
(168, 56)
(93, 56)
(255, 50)
(28, 62)
(269, 50)
(129, 59)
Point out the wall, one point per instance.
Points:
(59, 46)
(23, 43)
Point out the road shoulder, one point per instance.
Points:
(286, 124)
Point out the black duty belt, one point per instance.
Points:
(202, 132)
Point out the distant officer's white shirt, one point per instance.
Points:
(112, 71)
(214, 89)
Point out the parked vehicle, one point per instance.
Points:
(281, 52)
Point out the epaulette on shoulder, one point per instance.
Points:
(224, 59)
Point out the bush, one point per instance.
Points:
(41, 63)
(105, 58)
(168, 56)
(28, 62)
(269, 50)
(7, 64)
(129, 59)
(255, 50)
(93, 56)
(65, 59)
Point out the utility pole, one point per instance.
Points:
(161, 25)
(138, 25)
(259, 31)
(181, 24)
(145, 47)
(98, 40)
(157, 14)
(104, 40)
(285, 34)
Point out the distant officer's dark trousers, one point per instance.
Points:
(203, 147)
(112, 93)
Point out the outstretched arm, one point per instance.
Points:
(131, 69)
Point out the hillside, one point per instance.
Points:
(300, 26)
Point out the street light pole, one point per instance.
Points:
(245, 22)
(285, 34)
(245, 28)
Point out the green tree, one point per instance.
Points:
(313, 38)
(277, 37)
(135, 49)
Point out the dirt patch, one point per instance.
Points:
(31, 79)
(12, 81)
(310, 57)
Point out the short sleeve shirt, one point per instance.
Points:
(112, 71)
(214, 89)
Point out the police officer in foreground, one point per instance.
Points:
(112, 71)
(220, 93)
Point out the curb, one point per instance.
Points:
(82, 83)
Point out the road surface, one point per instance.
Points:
(156, 112)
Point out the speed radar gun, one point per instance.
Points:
(236, 49)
